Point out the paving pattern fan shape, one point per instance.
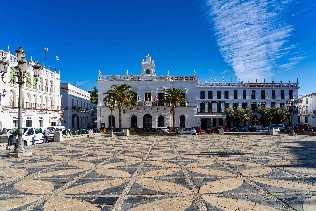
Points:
(207, 172)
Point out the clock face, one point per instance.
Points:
(148, 71)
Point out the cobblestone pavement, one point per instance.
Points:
(207, 172)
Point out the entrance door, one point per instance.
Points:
(204, 124)
(147, 121)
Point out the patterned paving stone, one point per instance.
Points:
(207, 172)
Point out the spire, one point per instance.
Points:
(99, 74)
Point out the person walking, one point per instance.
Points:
(46, 133)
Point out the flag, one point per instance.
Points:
(45, 51)
(57, 58)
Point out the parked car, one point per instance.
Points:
(199, 130)
(163, 131)
(32, 136)
(190, 131)
(277, 127)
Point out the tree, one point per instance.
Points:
(174, 98)
(266, 115)
(238, 116)
(281, 115)
(94, 95)
(120, 97)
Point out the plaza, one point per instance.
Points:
(205, 172)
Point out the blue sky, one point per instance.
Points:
(228, 39)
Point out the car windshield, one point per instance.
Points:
(38, 130)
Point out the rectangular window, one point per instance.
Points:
(220, 122)
(210, 95)
(235, 94)
(41, 123)
(263, 94)
(147, 96)
(272, 104)
(219, 94)
(226, 95)
(235, 105)
(244, 105)
(15, 123)
(202, 107)
(306, 120)
(209, 107)
(254, 106)
(28, 123)
(253, 94)
(273, 94)
(282, 94)
(161, 99)
(281, 105)
(290, 94)
(202, 94)
(219, 107)
(244, 94)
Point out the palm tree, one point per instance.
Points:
(121, 97)
(94, 95)
(230, 117)
(174, 98)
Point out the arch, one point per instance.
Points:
(161, 121)
(147, 121)
(111, 121)
(75, 121)
(182, 121)
(134, 121)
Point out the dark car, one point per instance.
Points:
(199, 130)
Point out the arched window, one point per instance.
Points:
(182, 121)
(161, 121)
(134, 121)
(147, 121)
(111, 121)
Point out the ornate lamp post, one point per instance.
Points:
(21, 70)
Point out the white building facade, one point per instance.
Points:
(307, 110)
(41, 97)
(205, 102)
(77, 107)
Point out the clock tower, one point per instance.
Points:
(148, 67)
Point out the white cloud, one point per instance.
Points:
(251, 36)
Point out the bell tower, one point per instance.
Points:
(148, 67)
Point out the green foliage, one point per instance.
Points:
(12, 76)
(120, 97)
(94, 96)
(28, 80)
(265, 116)
(174, 97)
(238, 116)
(35, 81)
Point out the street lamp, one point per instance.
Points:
(21, 70)
(3, 66)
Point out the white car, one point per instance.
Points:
(188, 131)
(32, 136)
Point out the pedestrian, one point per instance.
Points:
(46, 133)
